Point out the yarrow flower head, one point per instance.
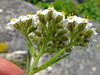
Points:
(71, 29)
(53, 33)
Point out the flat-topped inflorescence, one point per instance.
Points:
(53, 33)
(52, 24)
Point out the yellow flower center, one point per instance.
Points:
(95, 29)
(72, 14)
(63, 12)
(39, 10)
(57, 41)
(87, 17)
(51, 6)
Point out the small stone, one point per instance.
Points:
(93, 68)
(1, 10)
(49, 68)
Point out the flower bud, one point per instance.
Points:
(58, 19)
(49, 15)
(42, 18)
(69, 50)
(64, 38)
(22, 24)
(38, 33)
(62, 32)
(88, 34)
(81, 27)
(71, 26)
(59, 26)
(31, 35)
(81, 33)
(86, 41)
(79, 38)
(28, 22)
(50, 44)
(83, 45)
(31, 29)
(16, 26)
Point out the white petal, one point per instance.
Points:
(95, 33)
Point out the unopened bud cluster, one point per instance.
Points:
(52, 24)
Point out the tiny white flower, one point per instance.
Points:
(31, 34)
(23, 18)
(81, 20)
(95, 33)
(55, 14)
(85, 20)
(44, 12)
(12, 22)
(71, 18)
(39, 11)
(89, 25)
(29, 16)
(51, 7)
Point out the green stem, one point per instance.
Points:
(29, 41)
(28, 62)
(53, 58)
(37, 59)
(31, 47)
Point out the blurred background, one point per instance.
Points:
(89, 8)
(13, 47)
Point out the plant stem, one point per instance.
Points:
(31, 47)
(37, 59)
(69, 45)
(28, 62)
(29, 41)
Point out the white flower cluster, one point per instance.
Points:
(79, 20)
(23, 19)
(70, 19)
(51, 8)
(34, 17)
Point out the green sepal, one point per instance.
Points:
(58, 19)
(31, 29)
(62, 32)
(49, 15)
(16, 26)
(69, 50)
(81, 27)
(64, 38)
(28, 23)
(50, 44)
(22, 24)
(42, 19)
(82, 33)
(79, 38)
(86, 41)
(59, 26)
(38, 33)
(71, 26)
(88, 34)
(83, 45)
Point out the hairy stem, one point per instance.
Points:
(38, 57)
(53, 58)
(28, 62)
